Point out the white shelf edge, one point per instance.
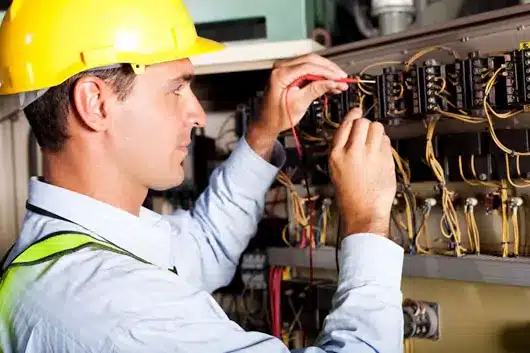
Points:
(251, 55)
(471, 268)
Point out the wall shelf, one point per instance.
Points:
(471, 268)
(251, 55)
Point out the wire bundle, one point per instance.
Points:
(298, 210)
(275, 283)
(471, 225)
(410, 201)
(449, 224)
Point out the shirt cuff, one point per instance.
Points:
(370, 258)
(248, 168)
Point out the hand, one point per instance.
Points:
(362, 170)
(274, 117)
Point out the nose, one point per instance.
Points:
(196, 115)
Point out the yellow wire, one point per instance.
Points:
(472, 229)
(309, 137)
(472, 183)
(323, 231)
(402, 166)
(505, 229)
(284, 235)
(485, 183)
(487, 109)
(518, 166)
(383, 63)
(444, 84)
(464, 118)
(328, 120)
(449, 212)
(509, 177)
(408, 213)
(425, 232)
(515, 224)
(425, 51)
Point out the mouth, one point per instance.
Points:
(184, 147)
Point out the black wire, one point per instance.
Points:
(305, 171)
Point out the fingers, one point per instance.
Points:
(313, 59)
(318, 88)
(359, 134)
(375, 135)
(289, 74)
(340, 140)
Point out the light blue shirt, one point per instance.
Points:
(100, 301)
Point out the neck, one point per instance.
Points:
(98, 180)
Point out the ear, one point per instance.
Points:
(90, 95)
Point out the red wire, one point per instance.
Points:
(275, 278)
(297, 83)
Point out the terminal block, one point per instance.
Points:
(522, 63)
(391, 96)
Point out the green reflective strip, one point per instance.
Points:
(57, 244)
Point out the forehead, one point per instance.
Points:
(167, 71)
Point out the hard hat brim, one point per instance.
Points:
(204, 46)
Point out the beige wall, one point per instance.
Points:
(474, 317)
(14, 173)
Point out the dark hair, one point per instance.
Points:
(47, 116)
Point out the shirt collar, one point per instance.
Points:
(147, 236)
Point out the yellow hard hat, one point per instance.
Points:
(43, 43)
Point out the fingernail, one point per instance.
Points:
(357, 111)
(344, 74)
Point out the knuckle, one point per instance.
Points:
(334, 156)
(362, 123)
(277, 73)
(378, 127)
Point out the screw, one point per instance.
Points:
(483, 176)
(464, 39)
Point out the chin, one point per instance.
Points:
(171, 181)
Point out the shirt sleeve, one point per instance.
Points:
(366, 316)
(209, 240)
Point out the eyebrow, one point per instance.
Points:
(182, 78)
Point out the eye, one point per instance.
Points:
(178, 90)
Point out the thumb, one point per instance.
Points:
(317, 89)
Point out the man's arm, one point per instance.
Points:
(367, 314)
(209, 240)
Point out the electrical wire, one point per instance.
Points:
(423, 230)
(471, 226)
(474, 171)
(518, 168)
(275, 281)
(469, 182)
(515, 226)
(299, 81)
(410, 201)
(488, 109)
(425, 51)
(509, 177)
(450, 217)
(363, 71)
(504, 214)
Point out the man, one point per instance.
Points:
(112, 109)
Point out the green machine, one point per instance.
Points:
(273, 20)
